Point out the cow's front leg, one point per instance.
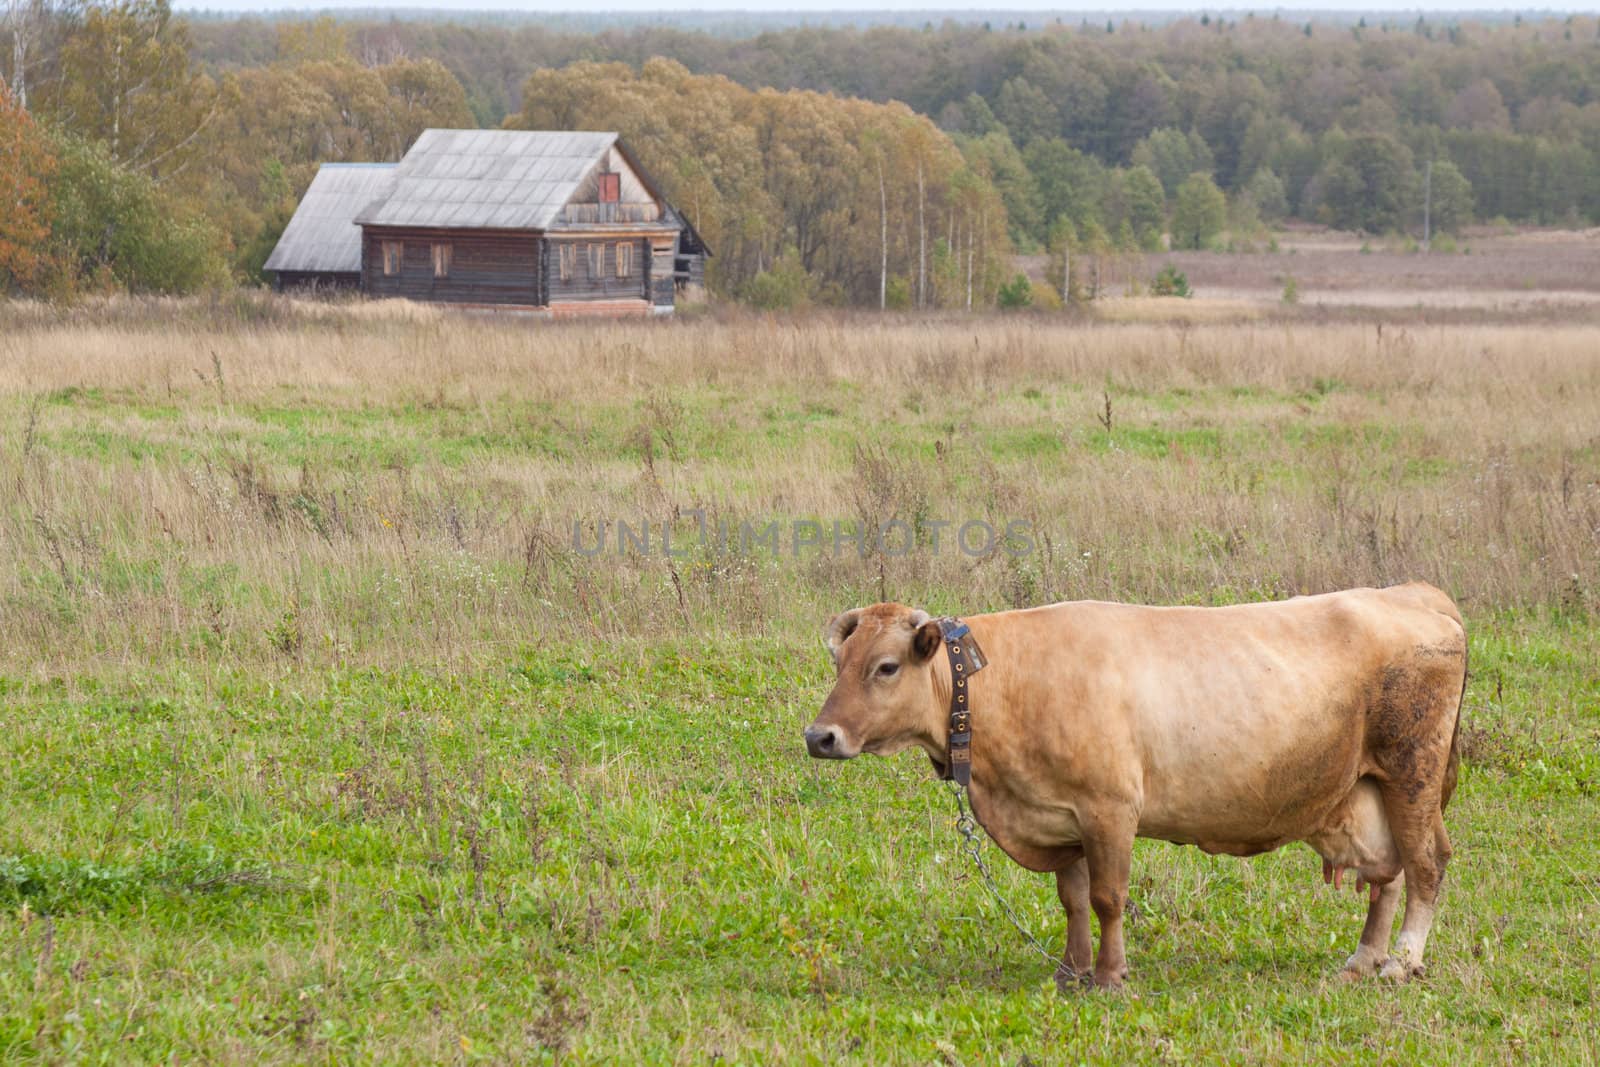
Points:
(1072, 887)
(1108, 849)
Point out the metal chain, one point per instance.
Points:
(967, 827)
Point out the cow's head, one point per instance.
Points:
(883, 698)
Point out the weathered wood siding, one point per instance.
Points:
(521, 269)
(631, 188)
(663, 290)
(585, 284)
(485, 267)
(593, 213)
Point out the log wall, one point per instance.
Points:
(585, 284)
(485, 267)
(521, 269)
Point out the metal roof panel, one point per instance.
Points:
(496, 179)
(322, 236)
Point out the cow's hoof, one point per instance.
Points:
(1397, 970)
(1070, 981)
(1110, 983)
(1360, 966)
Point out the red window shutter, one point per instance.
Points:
(610, 188)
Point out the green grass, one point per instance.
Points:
(319, 742)
(709, 424)
(623, 853)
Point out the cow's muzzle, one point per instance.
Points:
(826, 742)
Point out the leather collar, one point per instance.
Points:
(966, 659)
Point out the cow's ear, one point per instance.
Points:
(839, 630)
(925, 642)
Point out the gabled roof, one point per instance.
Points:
(322, 235)
(488, 179)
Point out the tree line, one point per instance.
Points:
(1337, 114)
(886, 166)
(803, 197)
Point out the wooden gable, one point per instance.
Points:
(612, 191)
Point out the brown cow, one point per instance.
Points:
(1326, 719)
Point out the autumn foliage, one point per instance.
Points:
(26, 163)
(803, 197)
(893, 167)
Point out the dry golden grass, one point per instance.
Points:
(364, 483)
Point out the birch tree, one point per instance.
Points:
(126, 82)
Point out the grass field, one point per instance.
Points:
(1486, 272)
(325, 735)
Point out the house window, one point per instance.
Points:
(597, 259)
(393, 252)
(610, 188)
(624, 260)
(441, 261)
(569, 253)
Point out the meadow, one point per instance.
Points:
(328, 735)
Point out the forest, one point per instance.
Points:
(888, 166)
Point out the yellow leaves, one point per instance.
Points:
(664, 71)
(757, 172)
(319, 38)
(422, 93)
(126, 81)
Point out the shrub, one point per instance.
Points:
(1044, 297)
(1017, 293)
(785, 286)
(897, 293)
(1170, 282)
(115, 229)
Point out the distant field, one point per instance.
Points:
(325, 736)
(1486, 270)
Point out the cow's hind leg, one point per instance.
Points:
(1424, 849)
(1413, 742)
(1072, 887)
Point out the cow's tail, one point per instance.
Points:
(1453, 765)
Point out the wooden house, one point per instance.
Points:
(566, 223)
(321, 246)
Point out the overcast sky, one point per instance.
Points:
(545, 6)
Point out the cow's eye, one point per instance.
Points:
(887, 668)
